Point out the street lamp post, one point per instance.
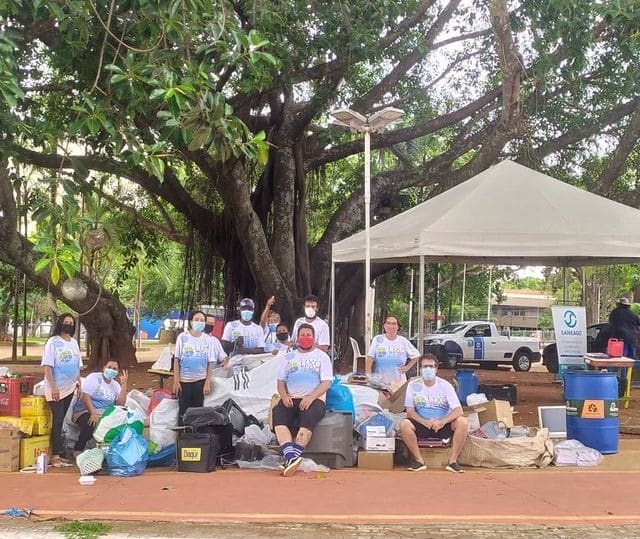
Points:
(366, 125)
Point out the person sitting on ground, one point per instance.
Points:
(243, 336)
(304, 377)
(391, 354)
(433, 411)
(320, 327)
(624, 326)
(99, 391)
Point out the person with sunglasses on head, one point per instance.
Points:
(390, 355)
(99, 391)
(195, 356)
(433, 411)
(62, 362)
(243, 336)
(304, 376)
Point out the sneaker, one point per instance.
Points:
(291, 465)
(416, 466)
(454, 467)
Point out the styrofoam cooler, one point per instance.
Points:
(332, 441)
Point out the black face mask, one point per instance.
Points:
(69, 329)
(282, 336)
(208, 328)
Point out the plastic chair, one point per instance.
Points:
(357, 355)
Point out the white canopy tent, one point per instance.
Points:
(508, 214)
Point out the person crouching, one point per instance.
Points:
(304, 377)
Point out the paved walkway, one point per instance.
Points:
(551, 496)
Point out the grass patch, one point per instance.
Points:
(77, 529)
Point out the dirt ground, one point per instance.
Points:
(534, 388)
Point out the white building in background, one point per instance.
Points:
(521, 309)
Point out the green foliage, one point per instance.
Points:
(83, 529)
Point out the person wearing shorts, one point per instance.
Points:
(304, 377)
(433, 411)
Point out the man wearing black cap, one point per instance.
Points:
(624, 324)
(243, 336)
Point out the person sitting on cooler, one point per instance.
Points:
(304, 377)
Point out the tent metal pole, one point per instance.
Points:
(333, 309)
(411, 304)
(489, 293)
(464, 290)
(420, 321)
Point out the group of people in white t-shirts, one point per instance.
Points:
(304, 377)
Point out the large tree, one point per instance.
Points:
(217, 110)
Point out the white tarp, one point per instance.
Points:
(508, 214)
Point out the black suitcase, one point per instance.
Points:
(197, 452)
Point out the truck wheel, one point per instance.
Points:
(451, 362)
(522, 361)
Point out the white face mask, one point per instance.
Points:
(309, 312)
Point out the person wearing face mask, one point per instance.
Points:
(99, 391)
(270, 337)
(243, 336)
(391, 354)
(209, 324)
(283, 342)
(304, 376)
(311, 317)
(62, 362)
(195, 356)
(433, 411)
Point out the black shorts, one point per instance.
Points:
(423, 433)
(295, 418)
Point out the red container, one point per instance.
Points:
(157, 396)
(11, 391)
(615, 347)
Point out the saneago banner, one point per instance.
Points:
(570, 326)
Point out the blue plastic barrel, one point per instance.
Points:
(592, 409)
(467, 383)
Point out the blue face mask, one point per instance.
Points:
(198, 326)
(273, 327)
(246, 315)
(428, 373)
(110, 374)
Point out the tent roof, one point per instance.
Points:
(508, 214)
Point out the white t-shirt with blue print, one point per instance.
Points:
(194, 355)
(390, 356)
(103, 394)
(252, 334)
(431, 402)
(303, 372)
(64, 359)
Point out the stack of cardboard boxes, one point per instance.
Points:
(378, 449)
(25, 424)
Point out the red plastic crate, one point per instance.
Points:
(11, 390)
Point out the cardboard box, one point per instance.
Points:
(41, 424)
(24, 425)
(493, 411)
(375, 460)
(379, 443)
(434, 457)
(33, 406)
(9, 449)
(395, 403)
(30, 448)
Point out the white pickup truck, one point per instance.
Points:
(480, 342)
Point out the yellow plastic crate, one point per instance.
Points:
(41, 424)
(30, 448)
(23, 424)
(33, 406)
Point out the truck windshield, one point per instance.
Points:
(449, 328)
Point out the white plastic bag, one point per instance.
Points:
(163, 418)
(575, 453)
(309, 465)
(253, 434)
